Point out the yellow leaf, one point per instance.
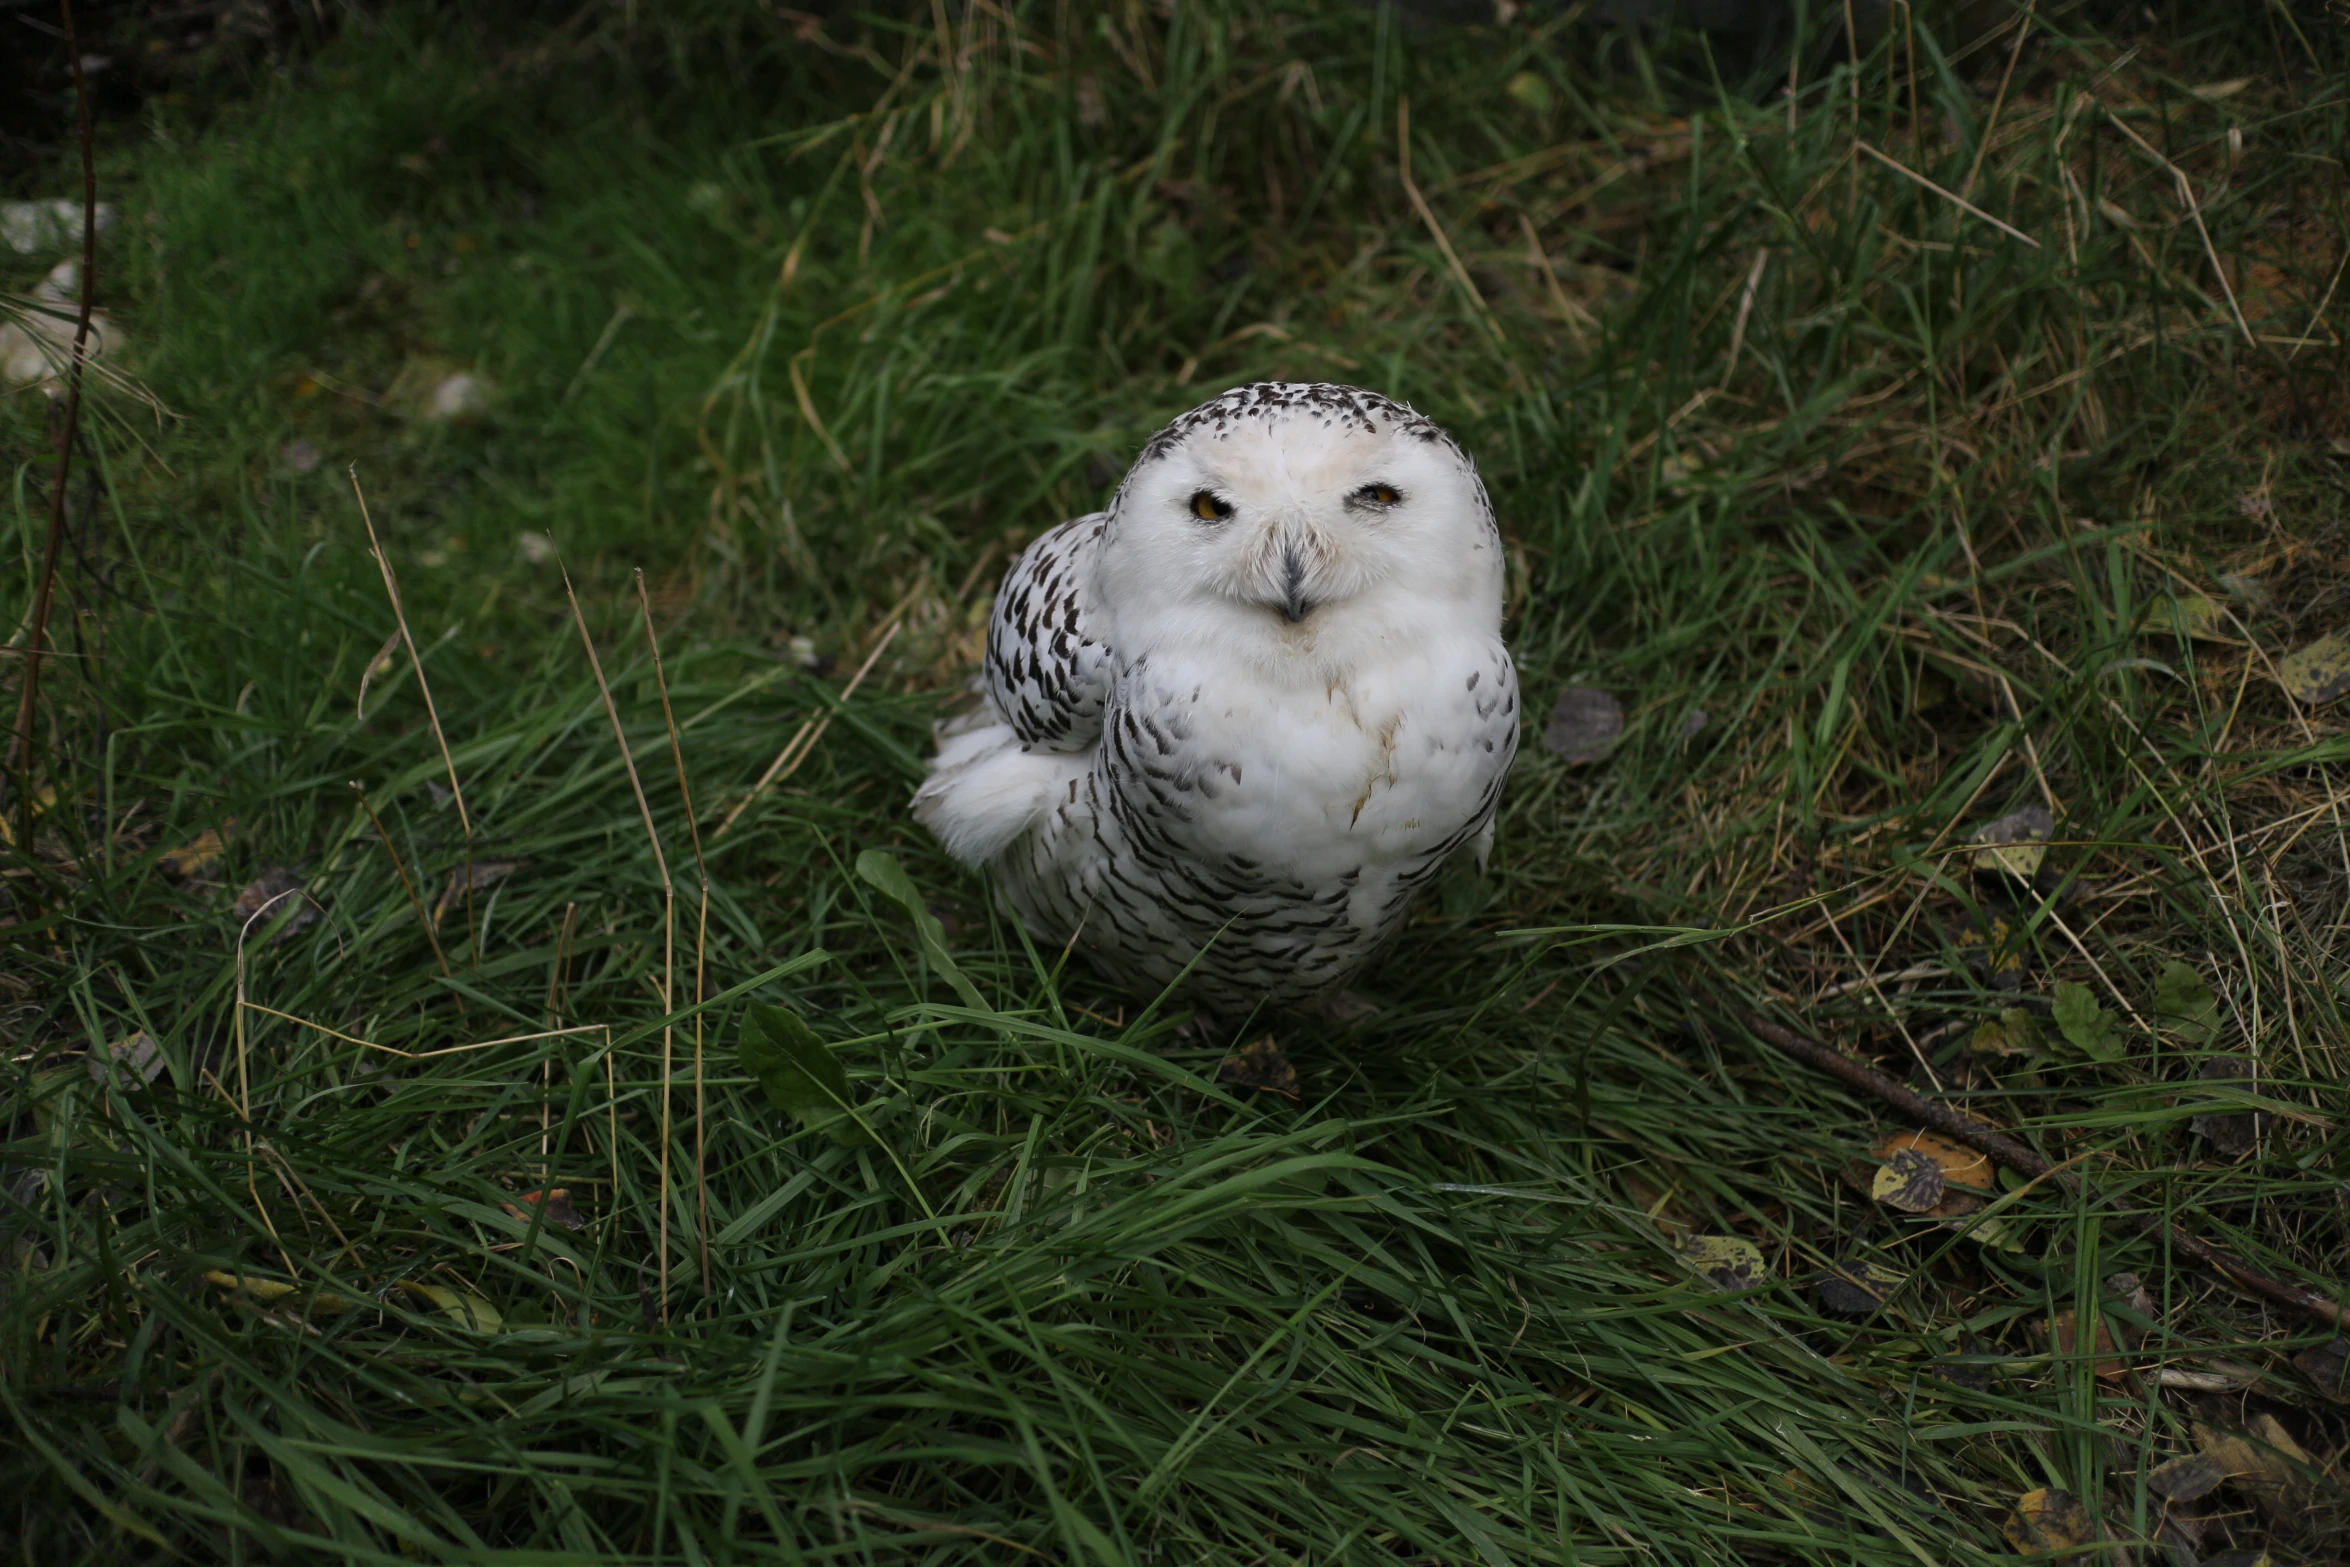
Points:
(2048, 1520)
(2190, 615)
(462, 1307)
(2319, 672)
(194, 856)
(1909, 1180)
(1725, 1261)
(273, 1289)
(41, 803)
(266, 1289)
(2016, 843)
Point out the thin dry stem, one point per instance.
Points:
(20, 743)
(407, 886)
(685, 791)
(431, 711)
(668, 918)
(1952, 197)
(812, 731)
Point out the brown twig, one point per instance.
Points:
(2013, 1154)
(20, 743)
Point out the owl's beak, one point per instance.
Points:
(1295, 606)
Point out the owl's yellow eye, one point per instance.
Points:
(1378, 495)
(1207, 506)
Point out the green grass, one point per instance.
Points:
(815, 331)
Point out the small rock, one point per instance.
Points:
(1694, 724)
(32, 228)
(301, 456)
(457, 397)
(36, 343)
(1585, 724)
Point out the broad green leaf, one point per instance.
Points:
(802, 1077)
(2086, 1026)
(2185, 1004)
(882, 872)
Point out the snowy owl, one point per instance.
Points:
(1236, 721)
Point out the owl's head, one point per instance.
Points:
(1300, 518)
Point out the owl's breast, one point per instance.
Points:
(1320, 779)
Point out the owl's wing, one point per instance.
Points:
(1046, 674)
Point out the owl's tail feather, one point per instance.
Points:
(984, 791)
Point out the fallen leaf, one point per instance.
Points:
(1725, 1261)
(2327, 1366)
(2014, 1032)
(462, 1307)
(2231, 1133)
(1998, 1231)
(275, 901)
(2048, 1520)
(1261, 1065)
(2185, 1478)
(1585, 724)
(1855, 1289)
(801, 1075)
(2190, 615)
(2063, 1335)
(1908, 1180)
(2086, 1026)
(2252, 590)
(486, 874)
(2128, 1292)
(2186, 1004)
(1959, 1164)
(273, 1290)
(2319, 672)
(43, 798)
(263, 1289)
(558, 1206)
(2259, 1460)
(197, 855)
(2016, 843)
(128, 1062)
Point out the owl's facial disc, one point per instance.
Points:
(1280, 521)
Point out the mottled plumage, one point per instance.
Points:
(1234, 722)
